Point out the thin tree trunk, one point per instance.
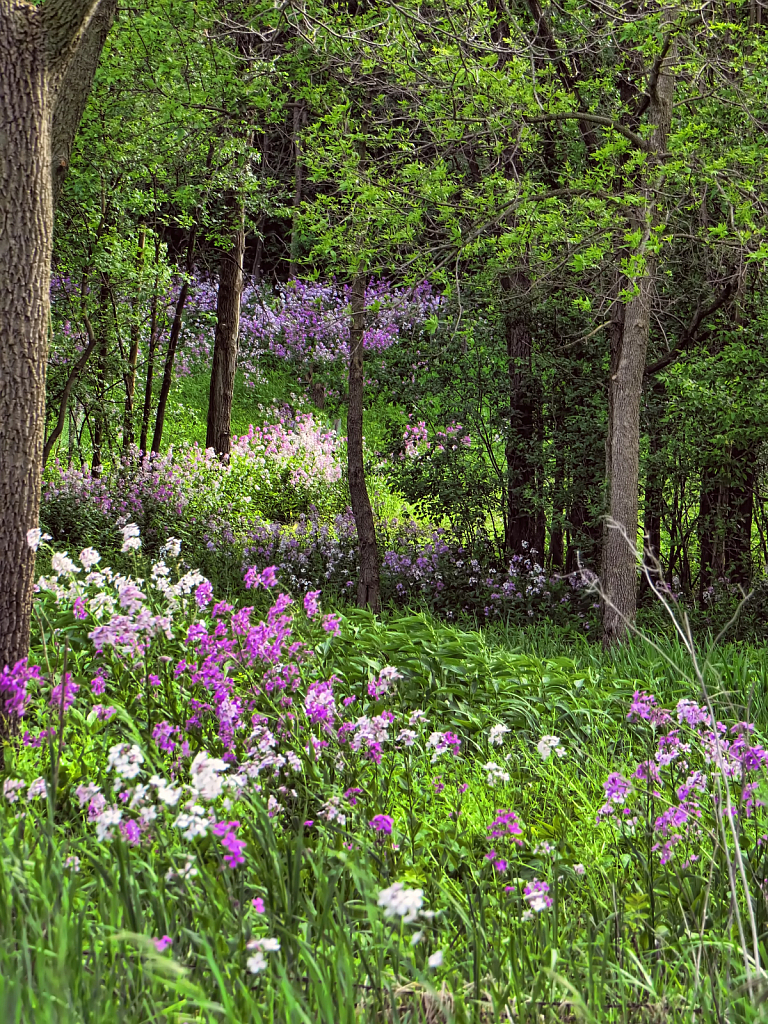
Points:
(42, 49)
(151, 347)
(133, 358)
(654, 491)
(738, 526)
(77, 369)
(173, 341)
(101, 414)
(368, 588)
(219, 431)
(619, 576)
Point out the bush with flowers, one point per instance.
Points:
(275, 812)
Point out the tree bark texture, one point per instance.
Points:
(219, 431)
(619, 576)
(368, 587)
(48, 58)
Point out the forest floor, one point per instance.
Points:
(278, 809)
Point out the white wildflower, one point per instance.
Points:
(548, 745)
(398, 901)
(496, 734)
(436, 959)
(89, 557)
(494, 773)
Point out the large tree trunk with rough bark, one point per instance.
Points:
(219, 432)
(629, 349)
(48, 56)
(368, 592)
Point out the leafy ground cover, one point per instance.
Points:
(273, 811)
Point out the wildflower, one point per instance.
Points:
(12, 788)
(72, 863)
(171, 548)
(494, 773)
(548, 745)
(86, 793)
(332, 624)
(617, 788)
(443, 741)
(579, 869)
(436, 960)
(89, 557)
(13, 687)
(63, 697)
(416, 717)
(162, 944)
(258, 904)
(311, 606)
(130, 831)
(407, 737)
(34, 536)
(536, 896)
(644, 708)
(193, 824)
(381, 823)
(496, 734)
(131, 538)
(105, 821)
(506, 825)
(61, 565)
(234, 846)
(273, 807)
(204, 594)
(398, 901)
(378, 687)
(37, 789)
(258, 962)
(204, 771)
(125, 761)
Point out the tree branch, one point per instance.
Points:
(690, 332)
(77, 369)
(607, 122)
(64, 22)
(76, 81)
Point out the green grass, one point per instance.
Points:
(76, 947)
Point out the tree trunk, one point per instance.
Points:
(133, 358)
(525, 522)
(151, 347)
(654, 490)
(219, 432)
(368, 592)
(42, 50)
(77, 369)
(738, 527)
(97, 441)
(619, 576)
(173, 341)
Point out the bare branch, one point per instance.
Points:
(607, 122)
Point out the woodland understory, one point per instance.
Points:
(383, 511)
